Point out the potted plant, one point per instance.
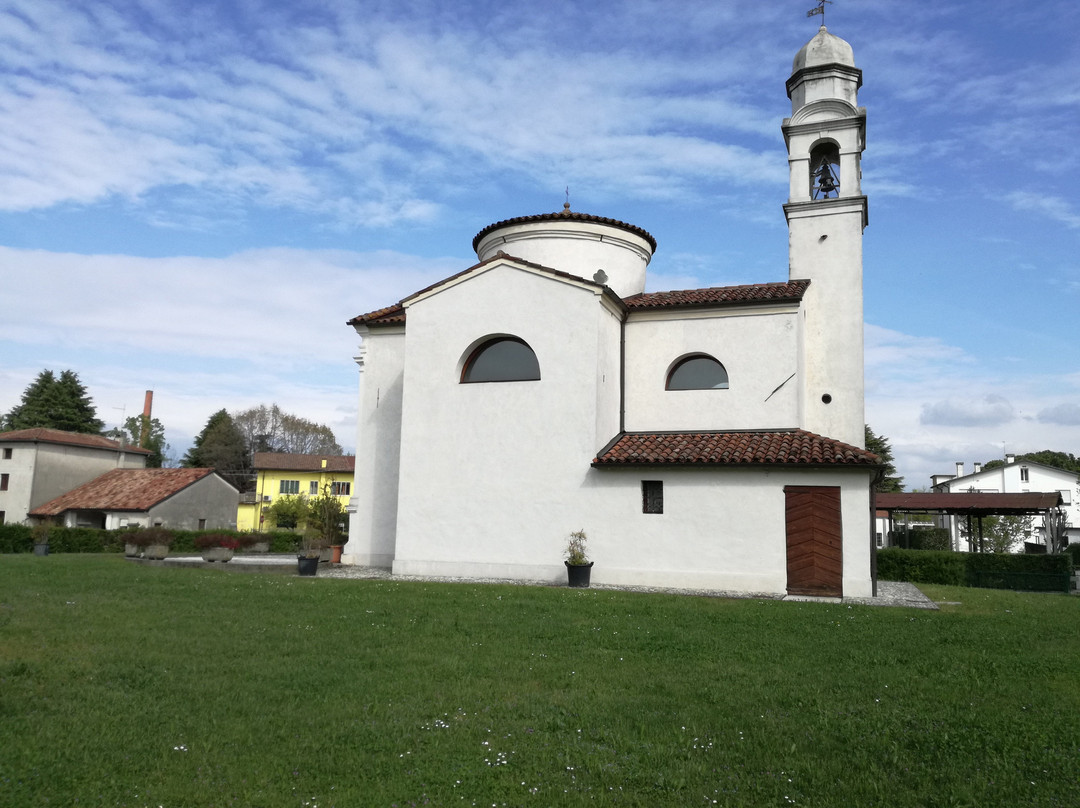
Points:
(217, 546)
(307, 558)
(578, 566)
(325, 519)
(40, 534)
(154, 542)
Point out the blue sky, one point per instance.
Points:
(195, 197)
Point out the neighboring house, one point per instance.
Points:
(39, 464)
(701, 438)
(181, 499)
(1015, 477)
(281, 474)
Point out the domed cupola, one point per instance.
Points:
(823, 49)
(577, 243)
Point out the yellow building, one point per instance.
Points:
(279, 474)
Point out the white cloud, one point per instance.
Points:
(990, 410)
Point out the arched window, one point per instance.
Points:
(503, 359)
(825, 171)
(697, 372)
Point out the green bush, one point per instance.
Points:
(1073, 551)
(18, 538)
(920, 538)
(922, 566)
(995, 570)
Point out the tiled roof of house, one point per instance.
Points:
(123, 490)
(791, 291)
(45, 435)
(282, 461)
(781, 292)
(749, 448)
(562, 216)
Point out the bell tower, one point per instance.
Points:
(826, 213)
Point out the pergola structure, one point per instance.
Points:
(970, 505)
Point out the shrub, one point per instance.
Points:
(1073, 551)
(150, 535)
(15, 539)
(997, 570)
(207, 540)
(922, 566)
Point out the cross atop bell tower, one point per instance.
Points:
(826, 212)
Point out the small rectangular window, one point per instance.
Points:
(652, 496)
(289, 487)
(202, 524)
(7, 454)
(1023, 474)
(340, 489)
(4, 482)
(313, 489)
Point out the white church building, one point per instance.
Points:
(703, 438)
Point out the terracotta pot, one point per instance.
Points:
(335, 553)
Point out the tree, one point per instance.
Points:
(148, 434)
(55, 403)
(268, 429)
(289, 512)
(1056, 525)
(1000, 534)
(327, 517)
(221, 446)
(1047, 457)
(889, 482)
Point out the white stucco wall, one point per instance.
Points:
(758, 347)
(479, 461)
(580, 248)
(373, 525)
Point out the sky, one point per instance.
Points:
(196, 196)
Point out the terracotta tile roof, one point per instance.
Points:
(975, 504)
(123, 490)
(44, 435)
(562, 216)
(395, 314)
(750, 448)
(792, 292)
(282, 461)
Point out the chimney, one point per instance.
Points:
(144, 432)
(1010, 458)
(976, 468)
(959, 469)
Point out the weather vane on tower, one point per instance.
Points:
(819, 10)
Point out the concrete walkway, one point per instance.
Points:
(889, 593)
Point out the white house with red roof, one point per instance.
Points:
(181, 499)
(704, 438)
(39, 464)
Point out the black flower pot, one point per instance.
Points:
(41, 548)
(578, 574)
(307, 566)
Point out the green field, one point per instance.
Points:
(128, 685)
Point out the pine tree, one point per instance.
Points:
(55, 403)
(221, 446)
(889, 483)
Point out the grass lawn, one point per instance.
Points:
(127, 685)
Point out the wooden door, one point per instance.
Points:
(814, 540)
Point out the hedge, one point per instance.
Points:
(995, 570)
(920, 538)
(16, 538)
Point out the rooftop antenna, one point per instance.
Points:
(566, 205)
(819, 10)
